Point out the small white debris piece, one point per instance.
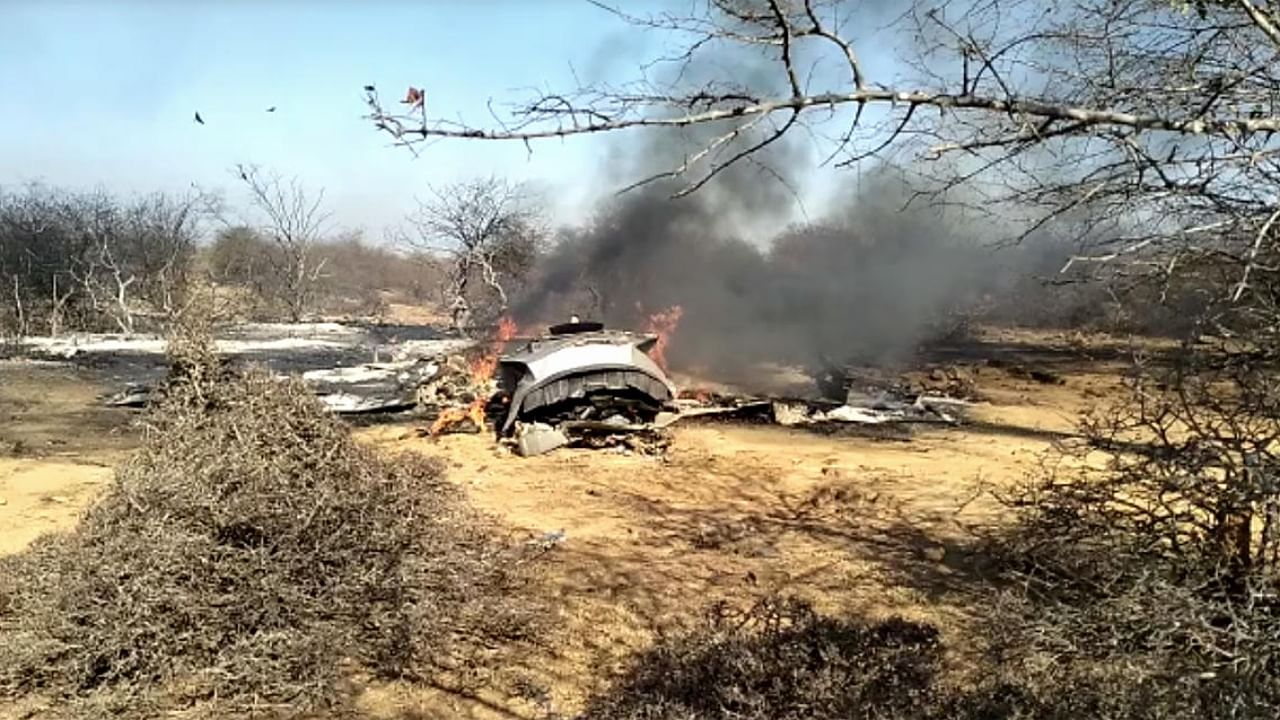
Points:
(344, 402)
(850, 414)
(926, 401)
(548, 540)
(538, 438)
(415, 349)
(788, 414)
(402, 371)
(665, 418)
(359, 373)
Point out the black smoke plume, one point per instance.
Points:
(868, 282)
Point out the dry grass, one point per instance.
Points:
(780, 661)
(249, 554)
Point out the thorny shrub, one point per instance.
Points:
(779, 660)
(1089, 637)
(1142, 572)
(249, 554)
(1048, 660)
(1190, 467)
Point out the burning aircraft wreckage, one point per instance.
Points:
(577, 385)
(584, 385)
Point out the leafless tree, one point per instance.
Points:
(163, 231)
(136, 256)
(58, 305)
(1108, 104)
(294, 221)
(104, 276)
(491, 233)
(93, 259)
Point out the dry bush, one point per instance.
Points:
(249, 554)
(357, 277)
(1086, 636)
(1116, 627)
(779, 660)
(371, 274)
(1147, 584)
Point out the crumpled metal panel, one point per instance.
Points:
(575, 387)
(545, 372)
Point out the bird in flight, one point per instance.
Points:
(198, 118)
(271, 109)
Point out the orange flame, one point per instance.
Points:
(481, 370)
(702, 396)
(663, 324)
(453, 416)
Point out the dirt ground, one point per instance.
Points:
(731, 513)
(57, 448)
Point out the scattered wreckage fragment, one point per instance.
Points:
(857, 409)
(885, 417)
(372, 388)
(582, 385)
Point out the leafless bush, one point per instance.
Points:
(489, 233)
(246, 556)
(1115, 627)
(92, 260)
(242, 258)
(779, 661)
(1190, 469)
(1153, 549)
(782, 660)
(1082, 635)
(1095, 658)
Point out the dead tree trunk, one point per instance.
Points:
(58, 307)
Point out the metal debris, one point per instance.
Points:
(134, 395)
(584, 386)
(538, 438)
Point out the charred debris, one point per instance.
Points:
(583, 385)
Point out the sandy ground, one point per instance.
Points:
(731, 513)
(57, 448)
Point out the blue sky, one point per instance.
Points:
(102, 93)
